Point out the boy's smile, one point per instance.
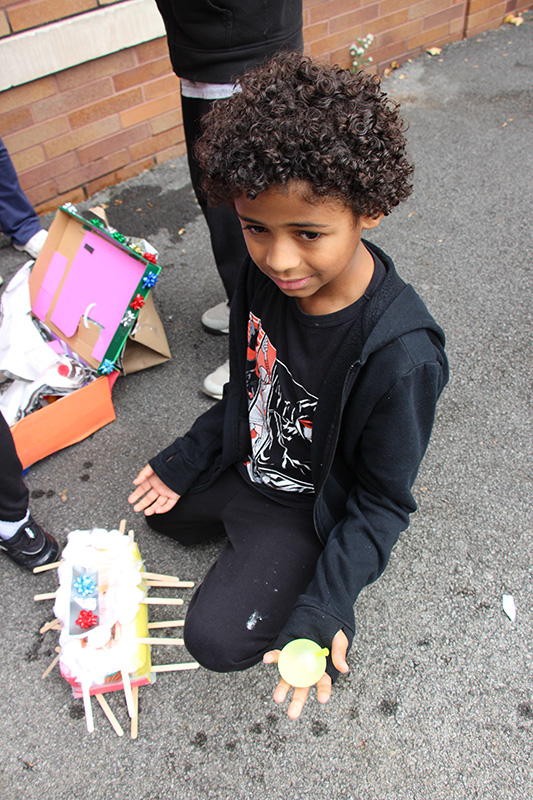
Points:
(311, 248)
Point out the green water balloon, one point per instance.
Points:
(302, 662)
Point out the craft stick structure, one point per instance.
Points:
(101, 613)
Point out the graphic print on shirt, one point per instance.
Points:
(280, 413)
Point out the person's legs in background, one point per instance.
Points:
(18, 219)
(227, 241)
(21, 537)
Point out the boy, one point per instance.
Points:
(307, 463)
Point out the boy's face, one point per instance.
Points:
(311, 250)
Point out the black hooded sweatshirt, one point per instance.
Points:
(371, 428)
(219, 42)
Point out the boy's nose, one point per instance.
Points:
(282, 257)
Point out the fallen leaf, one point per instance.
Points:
(411, 213)
(389, 70)
(64, 496)
(434, 51)
(181, 230)
(512, 19)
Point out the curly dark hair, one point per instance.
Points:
(295, 119)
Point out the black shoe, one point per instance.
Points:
(31, 547)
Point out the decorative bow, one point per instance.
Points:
(86, 619)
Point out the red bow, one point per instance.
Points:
(86, 619)
(137, 302)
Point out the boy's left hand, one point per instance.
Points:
(339, 648)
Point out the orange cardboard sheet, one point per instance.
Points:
(65, 422)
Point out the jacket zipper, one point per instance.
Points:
(333, 438)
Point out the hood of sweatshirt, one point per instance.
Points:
(395, 309)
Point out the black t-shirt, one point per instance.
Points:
(289, 354)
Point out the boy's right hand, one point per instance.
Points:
(152, 495)
(339, 648)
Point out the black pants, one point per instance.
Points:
(225, 230)
(267, 560)
(13, 491)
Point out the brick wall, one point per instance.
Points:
(95, 124)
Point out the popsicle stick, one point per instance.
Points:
(122, 526)
(163, 601)
(175, 667)
(53, 625)
(46, 596)
(154, 640)
(115, 724)
(50, 667)
(46, 567)
(131, 534)
(127, 691)
(134, 726)
(89, 720)
(157, 576)
(171, 584)
(167, 623)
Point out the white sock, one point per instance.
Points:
(9, 529)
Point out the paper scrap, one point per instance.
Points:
(509, 606)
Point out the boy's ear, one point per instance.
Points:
(367, 223)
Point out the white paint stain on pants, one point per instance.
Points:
(254, 619)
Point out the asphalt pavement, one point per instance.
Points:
(438, 704)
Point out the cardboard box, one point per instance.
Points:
(92, 291)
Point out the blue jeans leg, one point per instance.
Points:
(18, 219)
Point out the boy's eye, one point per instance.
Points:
(310, 236)
(254, 228)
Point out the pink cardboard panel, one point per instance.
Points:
(49, 285)
(100, 283)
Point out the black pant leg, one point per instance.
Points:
(225, 230)
(13, 492)
(267, 561)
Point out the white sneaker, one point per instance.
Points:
(215, 381)
(35, 244)
(216, 319)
